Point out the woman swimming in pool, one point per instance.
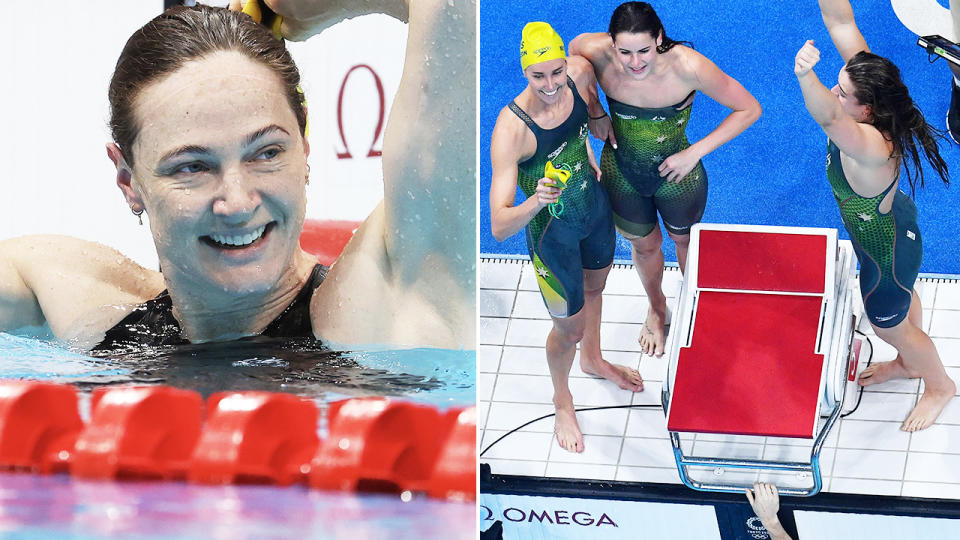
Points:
(873, 127)
(569, 227)
(208, 140)
(648, 165)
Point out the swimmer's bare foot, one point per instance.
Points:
(651, 335)
(566, 428)
(622, 376)
(884, 371)
(929, 407)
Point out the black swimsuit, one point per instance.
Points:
(153, 324)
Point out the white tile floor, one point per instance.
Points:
(865, 453)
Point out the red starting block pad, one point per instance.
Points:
(761, 323)
(762, 261)
(751, 369)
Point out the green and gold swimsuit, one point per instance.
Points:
(580, 236)
(646, 137)
(888, 245)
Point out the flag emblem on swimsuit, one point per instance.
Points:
(550, 289)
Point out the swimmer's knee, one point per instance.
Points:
(646, 245)
(680, 238)
(593, 291)
(571, 328)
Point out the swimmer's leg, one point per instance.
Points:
(648, 261)
(561, 347)
(681, 205)
(682, 242)
(918, 357)
(591, 360)
(884, 371)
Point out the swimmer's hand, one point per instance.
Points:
(807, 57)
(765, 501)
(547, 192)
(596, 169)
(602, 129)
(675, 167)
(305, 18)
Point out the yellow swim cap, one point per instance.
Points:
(539, 42)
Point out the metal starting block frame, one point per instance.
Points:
(756, 279)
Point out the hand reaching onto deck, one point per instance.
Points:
(765, 501)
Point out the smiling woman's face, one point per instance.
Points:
(220, 168)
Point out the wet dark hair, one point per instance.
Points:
(877, 83)
(640, 18)
(181, 34)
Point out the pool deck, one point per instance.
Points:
(865, 453)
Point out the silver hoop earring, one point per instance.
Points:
(138, 213)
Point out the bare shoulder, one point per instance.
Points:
(593, 46)
(71, 284)
(79, 259)
(688, 62)
(579, 68)
(508, 134)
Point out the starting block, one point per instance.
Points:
(761, 346)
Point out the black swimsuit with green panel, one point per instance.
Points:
(646, 137)
(888, 245)
(578, 233)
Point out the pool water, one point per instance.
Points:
(439, 377)
(58, 506)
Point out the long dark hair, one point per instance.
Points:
(181, 34)
(877, 83)
(640, 18)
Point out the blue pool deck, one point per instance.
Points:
(865, 452)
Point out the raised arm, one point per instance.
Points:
(408, 276)
(861, 142)
(838, 18)
(430, 144)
